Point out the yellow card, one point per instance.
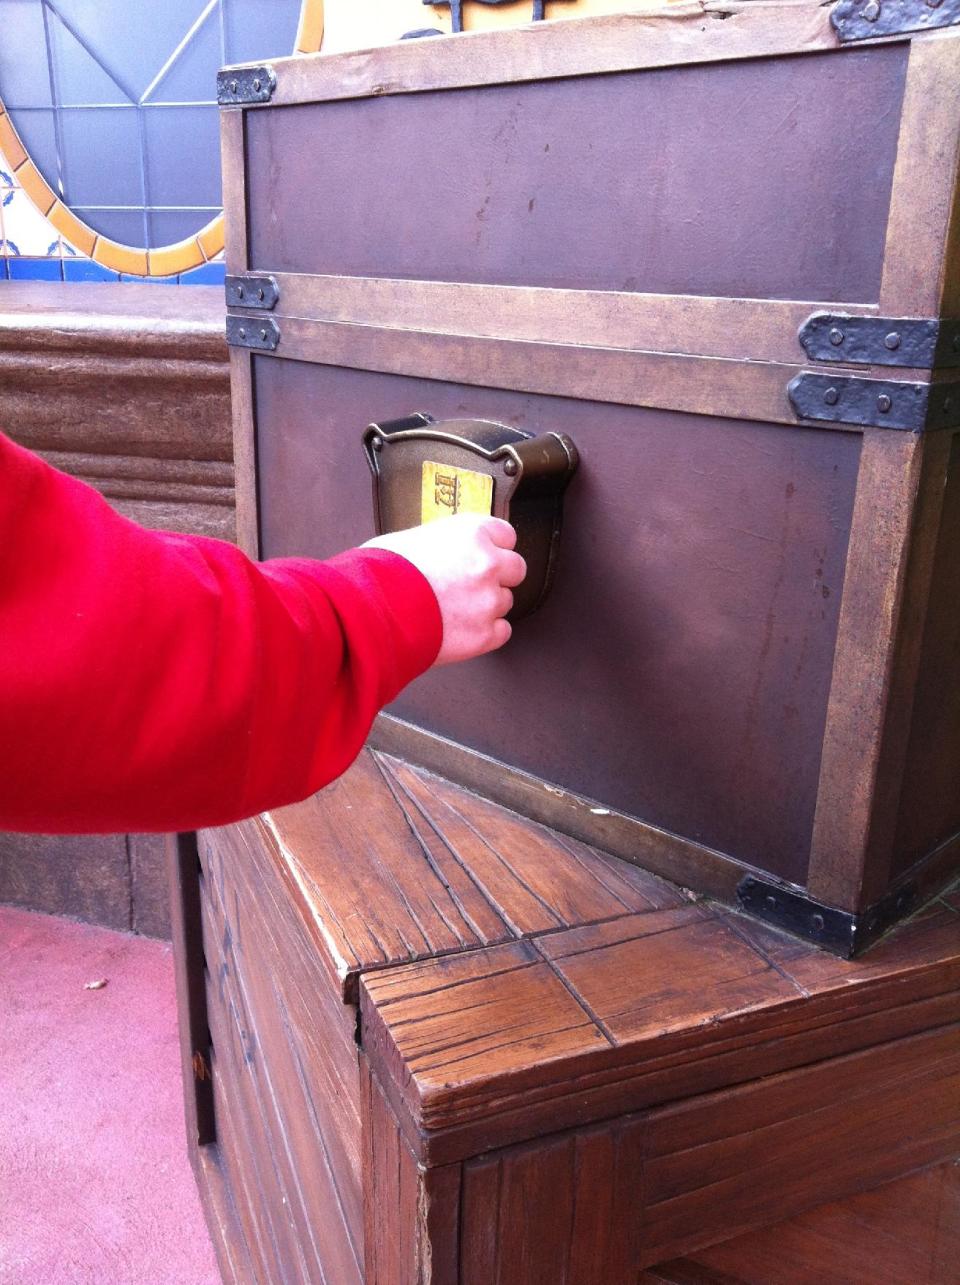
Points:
(447, 490)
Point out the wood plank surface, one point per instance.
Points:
(285, 1073)
(922, 236)
(635, 975)
(699, 385)
(681, 1002)
(684, 1176)
(645, 846)
(434, 870)
(904, 1231)
(928, 811)
(412, 1214)
(695, 325)
(233, 163)
(245, 452)
(874, 588)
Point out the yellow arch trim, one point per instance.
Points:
(167, 260)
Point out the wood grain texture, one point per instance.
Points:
(681, 1002)
(285, 1074)
(233, 162)
(411, 1228)
(922, 232)
(684, 1176)
(928, 811)
(245, 452)
(906, 1230)
(870, 617)
(634, 975)
(695, 325)
(435, 870)
(659, 851)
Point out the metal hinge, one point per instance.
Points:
(261, 333)
(252, 292)
(877, 403)
(926, 343)
(245, 86)
(839, 931)
(870, 19)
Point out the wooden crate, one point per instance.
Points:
(428, 1040)
(620, 228)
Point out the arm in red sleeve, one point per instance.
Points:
(159, 682)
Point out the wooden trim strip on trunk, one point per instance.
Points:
(857, 710)
(758, 330)
(923, 226)
(668, 37)
(666, 381)
(233, 153)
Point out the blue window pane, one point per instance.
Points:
(101, 149)
(183, 155)
(189, 75)
(259, 28)
(87, 270)
(78, 76)
(167, 226)
(24, 75)
(22, 269)
(37, 129)
(125, 226)
(132, 40)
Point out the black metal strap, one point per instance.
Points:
(836, 930)
(245, 86)
(926, 343)
(260, 333)
(248, 291)
(878, 403)
(869, 19)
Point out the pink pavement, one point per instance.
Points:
(95, 1185)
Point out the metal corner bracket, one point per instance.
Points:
(259, 333)
(921, 343)
(249, 291)
(875, 403)
(839, 931)
(245, 86)
(872, 19)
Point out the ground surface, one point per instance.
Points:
(95, 1186)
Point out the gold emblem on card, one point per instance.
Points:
(446, 490)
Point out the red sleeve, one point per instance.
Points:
(160, 682)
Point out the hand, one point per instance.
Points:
(470, 564)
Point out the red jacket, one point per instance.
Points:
(158, 682)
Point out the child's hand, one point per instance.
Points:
(470, 564)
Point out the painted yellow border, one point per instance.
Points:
(168, 260)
